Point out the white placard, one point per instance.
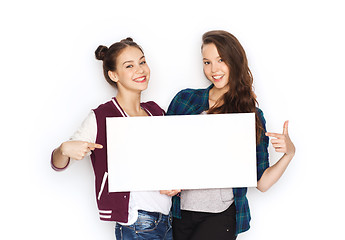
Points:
(181, 152)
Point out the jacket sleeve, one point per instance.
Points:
(86, 132)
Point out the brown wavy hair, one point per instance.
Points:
(240, 98)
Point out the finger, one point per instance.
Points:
(285, 128)
(79, 156)
(277, 140)
(275, 145)
(276, 135)
(166, 192)
(173, 193)
(282, 150)
(278, 146)
(93, 146)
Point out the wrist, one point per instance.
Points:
(62, 149)
(290, 155)
(58, 161)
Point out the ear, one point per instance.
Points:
(113, 76)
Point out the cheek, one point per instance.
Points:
(226, 69)
(206, 69)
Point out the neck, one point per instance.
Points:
(129, 101)
(216, 93)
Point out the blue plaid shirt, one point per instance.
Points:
(195, 101)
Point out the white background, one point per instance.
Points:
(50, 80)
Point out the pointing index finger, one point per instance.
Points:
(276, 135)
(95, 145)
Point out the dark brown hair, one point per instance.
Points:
(109, 55)
(240, 98)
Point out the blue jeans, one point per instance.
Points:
(150, 225)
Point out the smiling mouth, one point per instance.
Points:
(217, 78)
(140, 79)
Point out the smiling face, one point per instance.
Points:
(132, 72)
(215, 68)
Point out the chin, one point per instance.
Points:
(220, 85)
(143, 87)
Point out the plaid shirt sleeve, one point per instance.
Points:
(261, 148)
(189, 102)
(242, 206)
(174, 105)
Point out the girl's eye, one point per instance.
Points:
(143, 62)
(129, 66)
(220, 60)
(206, 63)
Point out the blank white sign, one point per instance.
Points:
(181, 152)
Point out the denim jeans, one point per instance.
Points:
(150, 225)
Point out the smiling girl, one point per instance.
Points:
(224, 213)
(139, 215)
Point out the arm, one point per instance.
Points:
(281, 143)
(81, 143)
(71, 149)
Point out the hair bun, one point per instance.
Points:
(129, 39)
(100, 52)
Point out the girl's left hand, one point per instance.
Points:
(282, 142)
(170, 193)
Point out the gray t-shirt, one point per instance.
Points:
(207, 200)
(213, 200)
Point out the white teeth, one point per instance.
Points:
(139, 79)
(217, 77)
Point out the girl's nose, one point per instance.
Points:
(139, 70)
(214, 67)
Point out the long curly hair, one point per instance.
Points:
(240, 98)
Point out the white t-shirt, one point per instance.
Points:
(151, 201)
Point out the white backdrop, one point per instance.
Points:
(50, 80)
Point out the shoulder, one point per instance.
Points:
(87, 130)
(103, 106)
(154, 108)
(188, 99)
(189, 93)
(260, 114)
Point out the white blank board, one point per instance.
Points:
(181, 152)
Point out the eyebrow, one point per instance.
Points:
(130, 61)
(209, 60)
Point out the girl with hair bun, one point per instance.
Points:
(138, 215)
(208, 214)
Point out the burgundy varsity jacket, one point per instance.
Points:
(112, 206)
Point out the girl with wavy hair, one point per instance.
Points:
(224, 213)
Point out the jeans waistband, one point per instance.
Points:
(156, 215)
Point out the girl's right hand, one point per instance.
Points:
(78, 149)
(170, 193)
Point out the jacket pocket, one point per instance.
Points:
(105, 176)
